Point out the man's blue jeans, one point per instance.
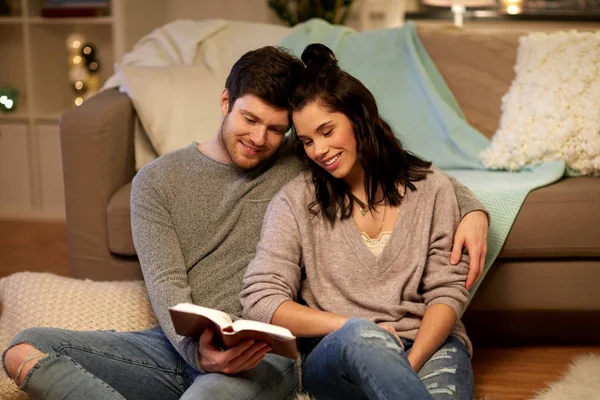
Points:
(139, 365)
(363, 361)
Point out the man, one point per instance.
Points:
(196, 215)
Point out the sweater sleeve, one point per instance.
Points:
(274, 275)
(161, 259)
(467, 201)
(442, 282)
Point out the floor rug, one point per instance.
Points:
(580, 382)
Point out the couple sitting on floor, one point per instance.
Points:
(359, 256)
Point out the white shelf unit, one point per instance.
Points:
(34, 61)
(11, 20)
(70, 21)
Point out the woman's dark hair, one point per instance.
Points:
(384, 160)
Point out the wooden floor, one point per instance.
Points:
(501, 373)
(26, 246)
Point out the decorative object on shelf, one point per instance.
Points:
(5, 8)
(10, 8)
(511, 7)
(458, 7)
(75, 8)
(83, 67)
(9, 98)
(295, 11)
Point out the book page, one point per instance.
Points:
(280, 339)
(278, 331)
(220, 318)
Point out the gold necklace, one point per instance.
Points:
(362, 207)
(380, 227)
(382, 222)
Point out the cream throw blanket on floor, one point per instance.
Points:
(32, 299)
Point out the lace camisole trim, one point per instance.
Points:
(377, 244)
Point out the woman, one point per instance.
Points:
(354, 254)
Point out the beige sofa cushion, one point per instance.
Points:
(560, 220)
(120, 240)
(551, 284)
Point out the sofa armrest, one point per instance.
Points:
(98, 159)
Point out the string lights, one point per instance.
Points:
(83, 67)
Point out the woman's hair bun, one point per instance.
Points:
(317, 56)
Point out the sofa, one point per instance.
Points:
(548, 271)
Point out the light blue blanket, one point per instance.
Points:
(413, 97)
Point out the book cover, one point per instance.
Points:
(191, 320)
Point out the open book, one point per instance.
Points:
(191, 320)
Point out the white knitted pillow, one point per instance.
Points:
(552, 109)
(32, 299)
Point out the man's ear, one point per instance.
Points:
(224, 102)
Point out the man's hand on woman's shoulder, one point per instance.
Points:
(471, 233)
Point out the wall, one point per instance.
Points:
(242, 10)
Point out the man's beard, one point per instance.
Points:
(222, 131)
(229, 143)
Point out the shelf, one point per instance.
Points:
(15, 116)
(49, 116)
(53, 191)
(34, 60)
(27, 212)
(11, 20)
(12, 73)
(14, 166)
(70, 21)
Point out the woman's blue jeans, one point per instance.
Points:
(139, 365)
(363, 361)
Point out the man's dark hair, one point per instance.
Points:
(269, 73)
(386, 163)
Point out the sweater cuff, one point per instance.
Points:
(483, 210)
(198, 366)
(469, 206)
(189, 349)
(451, 302)
(264, 309)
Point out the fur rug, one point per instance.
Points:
(580, 382)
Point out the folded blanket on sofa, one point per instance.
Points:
(413, 97)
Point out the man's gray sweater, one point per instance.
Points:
(196, 223)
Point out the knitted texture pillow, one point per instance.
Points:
(552, 109)
(31, 299)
